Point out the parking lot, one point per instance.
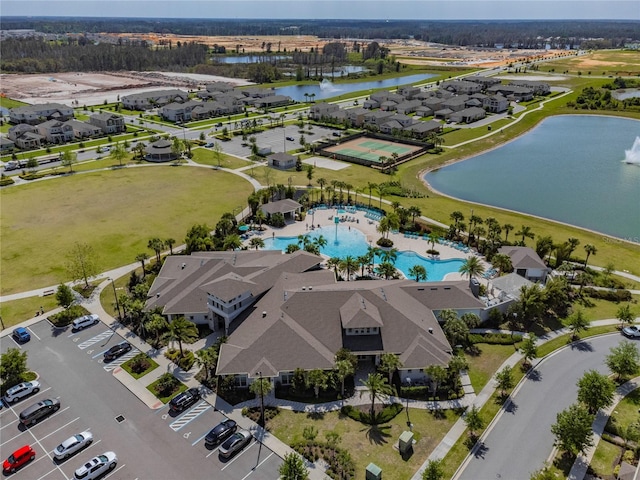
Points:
(149, 444)
(276, 139)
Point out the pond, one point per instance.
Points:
(583, 170)
(327, 89)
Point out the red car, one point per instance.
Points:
(18, 458)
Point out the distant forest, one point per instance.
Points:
(520, 34)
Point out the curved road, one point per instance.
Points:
(519, 441)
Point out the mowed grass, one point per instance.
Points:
(484, 365)
(114, 211)
(17, 311)
(366, 444)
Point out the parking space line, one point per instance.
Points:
(47, 453)
(213, 451)
(58, 429)
(188, 417)
(238, 456)
(199, 439)
(257, 466)
(6, 425)
(33, 333)
(114, 471)
(123, 359)
(47, 474)
(96, 339)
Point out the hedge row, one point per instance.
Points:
(610, 295)
(495, 338)
(388, 413)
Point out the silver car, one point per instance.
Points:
(632, 331)
(72, 445)
(21, 390)
(235, 443)
(97, 466)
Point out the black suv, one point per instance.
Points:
(184, 400)
(221, 431)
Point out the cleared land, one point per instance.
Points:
(114, 211)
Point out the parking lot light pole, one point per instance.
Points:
(261, 402)
(115, 294)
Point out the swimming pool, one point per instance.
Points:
(342, 242)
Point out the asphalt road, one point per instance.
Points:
(149, 444)
(521, 441)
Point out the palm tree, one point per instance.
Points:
(414, 211)
(348, 265)
(260, 217)
(155, 324)
(387, 269)
(382, 190)
(525, 232)
(141, 257)
(320, 242)
(377, 388)
(389, 363)
(471, 267)
(207, 358)
(573, 243)
(507, 227)
(591, 250)
(343, 369)
(333, 262)
(232, 242)
(156, 245)
(544, 246)
(170, 242)
(181, 330)
(363, 261)
(256, 242)
(322, 182)
(457, 217)
(371, 186)
(433, 238)
(419, 272)
(502, 262)
(389, 256)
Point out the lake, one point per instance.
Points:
(327, 89)
(569, 168)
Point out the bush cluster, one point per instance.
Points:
(609, 295)
(254, 413)
(341, 465)
(388, 413)
(495, 338)
(185, 362)
(67, 316)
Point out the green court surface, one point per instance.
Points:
(387, 147)
(372, 157)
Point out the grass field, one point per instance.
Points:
(366, 444)
(115, 211)
(604, 62)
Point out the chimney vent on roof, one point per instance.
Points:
(431, 330)
(310, 287)
(182, 266)
(157, 295)
(264, 314)
(304, 288)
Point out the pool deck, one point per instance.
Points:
(368, 227)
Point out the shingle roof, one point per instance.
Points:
(523, 257)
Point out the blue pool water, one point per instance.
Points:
(342, 242)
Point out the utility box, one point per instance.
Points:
(405, 442)
(374, 472)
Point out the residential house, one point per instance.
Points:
(512, 92)
(83, 130)
(370, 104)
(409, 92)
(356, 116)
(55, 131)
(457, 103)
(6, 145)
(34, 114)
(390, 127)
(287, 207)
(526, 263)
(322, 110)
(282, 160)
(178, 111)
(423, 111)
(462, 87)
(272, 101)
(25, 136)
(109, 123)
(468, 115)
(482, 80)
(538, 88)
(377, 118)
(156, 98)
(495, 103)
(421, 130)
(219, 87)
(409, 106)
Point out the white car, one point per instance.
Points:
(97, 466)
(85, 321)
(72, 445)
(21, 390)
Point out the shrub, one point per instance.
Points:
(385, 242)
(65, 317)
(609, 295)
(387, 414)
(166, 385)
(140, 363)
(495, 338)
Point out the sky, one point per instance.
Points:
(332, 9)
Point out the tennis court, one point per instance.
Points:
(371, 149)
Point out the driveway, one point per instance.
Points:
(520, 440)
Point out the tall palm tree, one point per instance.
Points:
(386, 269)
(141, 257)
(348, 264)
(591, 250)
(348, 187)
(377, 388)
(256, 242)
(170, 242)
(156, 324)
(156, 245)
(525, 232)
(419, 272)
(382, 190)
(389, 256)
(334, 262)
(207, 358)
(544, 246)
(457, 217)
(414, 211)
(573, 243)
(502, 262)
(472, 267)
(181, 330)
(322, 182)
(260, 217)
(343, 369)
(232, 242)
(320, 242)
(507, 227)
(363, 261)
(371, 186)
(389, 363)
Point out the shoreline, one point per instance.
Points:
(422, 174)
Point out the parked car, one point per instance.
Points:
(221, 431)
(73, 445)
(631, 331)
(97, 466)
(336, 134)
(116, 351)
(39, 410)
(209, 145)
(21, 390)
(235, 443)
(291, 139)
(84, 322)
(18, 458)
(184, 400)
(21, 335)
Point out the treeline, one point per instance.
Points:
(32, 55)
(602, 99)
(524, 34)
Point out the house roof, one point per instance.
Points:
(300, 323)
(281, 206)
(510, 284)
(523, 257)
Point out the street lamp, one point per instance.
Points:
(115, 294)
(261, 423)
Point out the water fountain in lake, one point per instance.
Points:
(327, 86)
(633, 155)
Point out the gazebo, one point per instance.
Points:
(286, 207)
(160, 151)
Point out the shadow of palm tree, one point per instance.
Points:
(534, 375)
(582, 346)
(510, 406)
(378, 434)
(315, 415)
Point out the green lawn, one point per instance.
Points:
(206, 156)
(114, 211)
(366, 444)
(18, 311)
(483, 366)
